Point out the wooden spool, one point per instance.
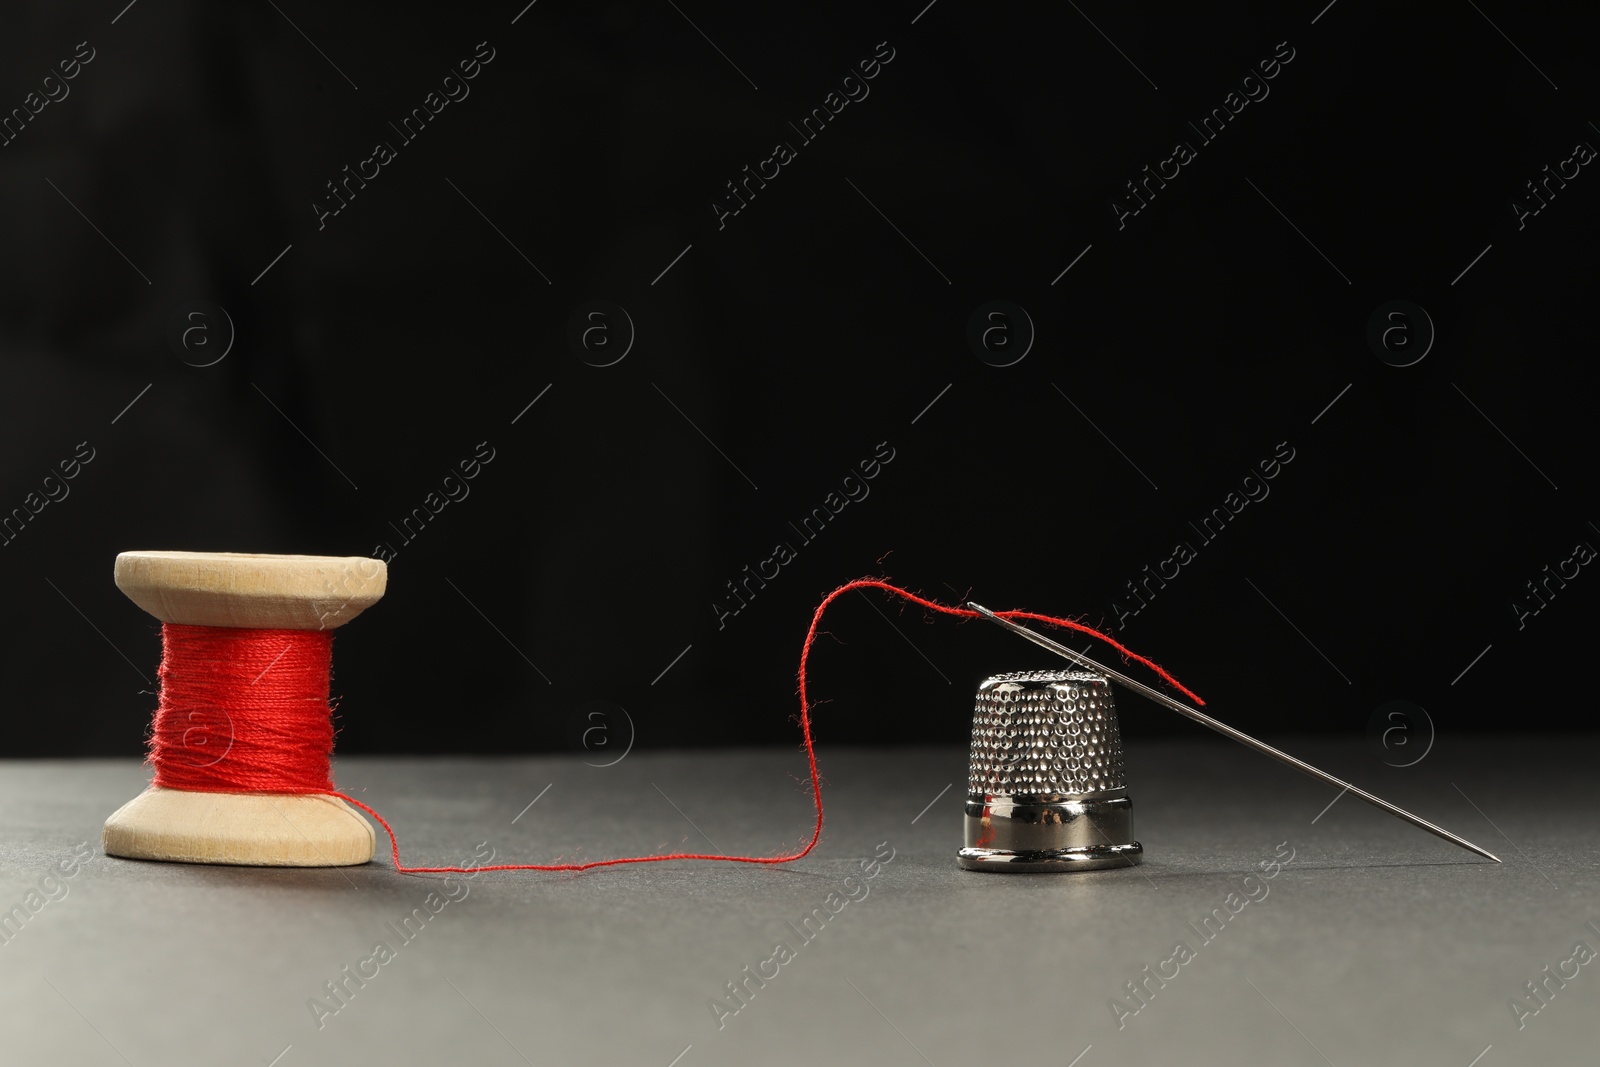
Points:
(239, 589)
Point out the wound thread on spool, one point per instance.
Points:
(243, 710)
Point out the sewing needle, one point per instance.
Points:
(1227, 731)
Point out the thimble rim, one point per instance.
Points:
(1083, 858)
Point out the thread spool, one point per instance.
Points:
(217, 605)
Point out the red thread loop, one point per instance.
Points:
(243, 710)
(246, 711)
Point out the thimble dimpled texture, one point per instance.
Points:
(1045, 732)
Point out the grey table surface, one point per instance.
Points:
(1375, 944)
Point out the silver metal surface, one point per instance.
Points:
(1228, 731)
(1046, 786)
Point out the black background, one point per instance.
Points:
(775, 352)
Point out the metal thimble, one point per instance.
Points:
(1046, 788)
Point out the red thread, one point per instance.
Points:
(243, 710)
(282, 734)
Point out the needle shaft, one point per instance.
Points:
(1228, 731)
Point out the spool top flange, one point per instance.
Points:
(248, 589)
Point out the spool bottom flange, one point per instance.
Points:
(241, 829)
